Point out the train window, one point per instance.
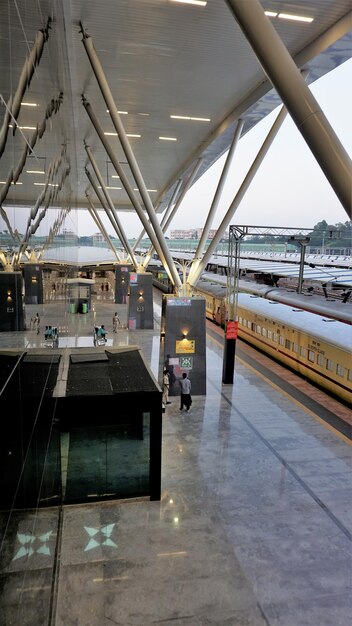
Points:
(340, 370)
(281, 340)
(270, 334)
(321, 360)
(329, 365)
(264, 332)
(303, 352)
(275, 337)
(258, 329)
(295, 348)
(311, 356)
(240, 320)
(288, 344)
(249, 324)
(253, 327)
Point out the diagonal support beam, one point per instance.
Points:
(94, 214)
(166, 222)
(128, 188)
(123, 237)
(214, 205)
(297, 97)
(192, 280)
(167, 212)
(115, 117)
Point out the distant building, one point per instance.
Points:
(68, 236)
(98, 239)
(194, 233)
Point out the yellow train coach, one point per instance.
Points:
(316, 347)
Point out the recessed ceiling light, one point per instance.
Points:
(29, 104)
(116, 135)
(168, 138)
(200, 3)
(121, 112)
(147, 189)
(109, 187)
(270, 13)
(24, 127)
(114, 176)
(39, 184)
(34, 172)
(194, 119)
(298, 18)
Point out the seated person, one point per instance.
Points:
(101, 332)
(48, 332)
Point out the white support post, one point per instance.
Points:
(111, 206)
(223, 178)
(128, 188)
(239, 196)
(297, 97)
(116, 120)
(168, 221)
(93, 212)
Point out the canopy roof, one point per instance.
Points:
(161, 58)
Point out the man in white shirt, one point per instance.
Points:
(186, 399)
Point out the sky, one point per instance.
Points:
(288, 190)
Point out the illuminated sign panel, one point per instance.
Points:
(179, 302)
(186, 346)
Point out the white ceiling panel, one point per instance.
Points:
(160, 58)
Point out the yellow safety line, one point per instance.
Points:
(297, 402)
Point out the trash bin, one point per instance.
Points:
(72, 307)
(84, 307)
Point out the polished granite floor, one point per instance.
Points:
(253, 528)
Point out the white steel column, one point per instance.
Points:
(165, 223)
(103, 205)
(297, 97)
(223, 178)
(240, 195)
(112, 208)
(171, 204)
(168, 209)
(128, 188)
(93, 212)
(115, 117)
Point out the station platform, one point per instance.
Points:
(253, 528)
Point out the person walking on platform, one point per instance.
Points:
(186, 399)
(115, 322)
(166, 385)
(36, 323)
